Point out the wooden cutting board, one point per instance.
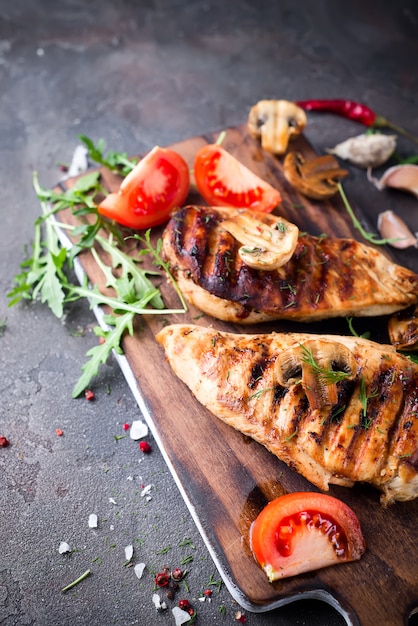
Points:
(225, 478)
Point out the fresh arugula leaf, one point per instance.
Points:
(412, 356)
(118, 162)
(43, 273)
(44, 276)
(129, 267)
(99, 354)
(159, 261)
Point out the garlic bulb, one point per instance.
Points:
(391, 226)
(366, 150)
(403, 177)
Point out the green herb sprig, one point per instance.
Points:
(118, 162)
(327, 375)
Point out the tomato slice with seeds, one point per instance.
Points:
(222, 180)
(159, 183)
(305, 531)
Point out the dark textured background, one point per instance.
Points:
(139, 74)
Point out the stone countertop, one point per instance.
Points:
(140, 74)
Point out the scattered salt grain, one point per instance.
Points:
(79, 162)
(92, 520)
(129, 552)
(160, 606)
(64, 547)
(146, 493)
(139, 569)
(138, 430)
(180, 616)
(112, 500)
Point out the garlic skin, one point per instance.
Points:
(404, 177)
(366, 150)
(391, 226)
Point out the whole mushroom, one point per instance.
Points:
(275, 122)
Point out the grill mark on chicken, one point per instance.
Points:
(324, 277)
(370, 434)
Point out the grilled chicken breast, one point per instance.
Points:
(336, 409)
(245, 267)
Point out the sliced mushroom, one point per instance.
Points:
(403, 329)
(267, 244)
(317, 178)
(318, 365)
(276, 121)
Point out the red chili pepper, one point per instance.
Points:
(4, 442)
(353, 111)
(89, 394)
(59, 432)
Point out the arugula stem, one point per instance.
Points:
(114, 303)
(372, 237)
(78, 580)
(160, 261)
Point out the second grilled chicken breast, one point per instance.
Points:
(336, 409)
(244, 266)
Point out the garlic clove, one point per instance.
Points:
(366, 150)
(403, 177)
(391, 226)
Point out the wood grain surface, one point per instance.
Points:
(226, 478)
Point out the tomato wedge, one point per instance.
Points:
(304, 531)
(147, 195)
(222, 180)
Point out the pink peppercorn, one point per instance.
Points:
(184, 605)
(162, 579)
(145, 447)
(126, 426)
(59, 432)
(177, 573)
